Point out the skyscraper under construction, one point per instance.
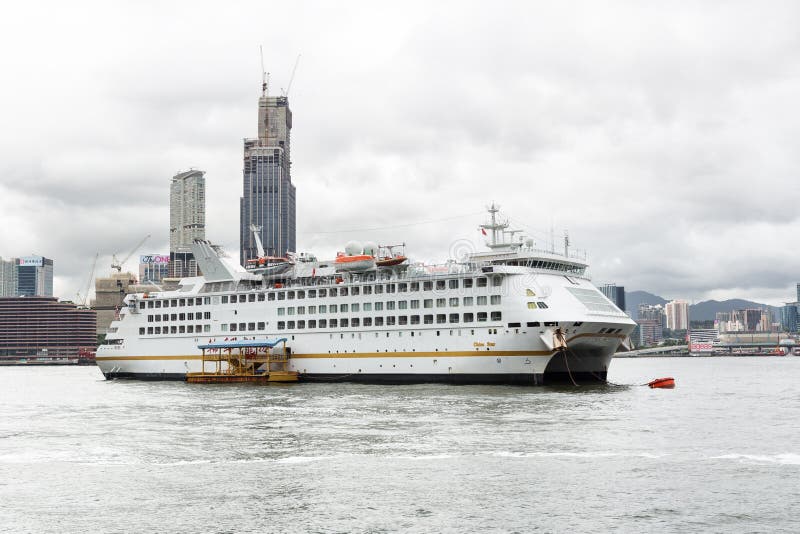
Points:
(268, 195)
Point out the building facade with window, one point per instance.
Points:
(187, 221)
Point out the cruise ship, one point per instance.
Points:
(512, 314)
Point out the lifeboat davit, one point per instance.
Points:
(390, 261)
(356, 262)
(269, 264)
(664, 383)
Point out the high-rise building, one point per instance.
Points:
(651, 331)
(153, 268)
(677, 313)
(790, 314)
(615, 294)
(187, 220)
(651, 312)
(34, 277)
(268, 195)
(8, 277)
(798, 292)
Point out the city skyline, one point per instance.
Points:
(396, 123)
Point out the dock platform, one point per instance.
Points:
(246, 360)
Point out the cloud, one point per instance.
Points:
(662, 136)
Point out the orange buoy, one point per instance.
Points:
(666, 383)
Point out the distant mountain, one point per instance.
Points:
(702, 311)
(634, 298)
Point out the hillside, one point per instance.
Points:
(702, 311)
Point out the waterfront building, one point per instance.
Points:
(651, 312)
(701, 340)
(187, 220)
(651, 331)
(268, 195)
(615, 294)
(153, 268)
(790, 313)
(43, 327)
(677, 313)
(8, 277)
(34, 276)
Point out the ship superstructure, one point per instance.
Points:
(500, 316)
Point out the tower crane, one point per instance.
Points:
(259, 246)
(291, 77)
(116, 264)
(84, 295)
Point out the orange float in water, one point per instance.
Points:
(666, 383)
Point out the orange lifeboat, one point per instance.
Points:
(390, 261)
(356, 262)
(663, 383)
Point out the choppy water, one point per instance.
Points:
(719, 453)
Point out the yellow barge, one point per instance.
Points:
(246, 360)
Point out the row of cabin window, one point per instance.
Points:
(355, 307)
(537, 305)
(400, 287)
(182, 329)
(174, 303)
(178, 317)
(401, 320)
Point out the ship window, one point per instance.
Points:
(402, 304)
(440, 284)
(427, 286)
(414, 286)
(224, 300)
(224, 327)
(281, 311)
(402, 287)
(261, 297)
(453, 284)
(332, 292)
(532, 306)
(497, 281)
(141, 305)
(282, 295)
(311, 323)
(174, 317)
(378, 321)
(173, 303)
(482, 317)
(379, 306)
(270, 296)
(467, 283)
(514, 325)
(367, 306)
(441, 303)
(158, 330)
(414, 304)
(149, 318)
(333, 323)
(378, 289)
(141, 331)
(206, 300)
(482, 301)
(390, 288)
(481, 282)
(543, 305)
(389, 304)
(494, 299)
(322, 293)
(454, 302)
(150, 304)
(427, 303)
(290, 325)
(355, 321)
(343, 292)
(281, 325)
(233, 327)
(355, 290)
(323, 308)
(251, 326)
(334, 308)
(354, 307)
(468, 301)
(532, 324)
(414, 320)
(206, 328)
(233, 300)
(402, 320)
(290, 295)
(390, 320)
(312, 310)
(251, 297)
(150, 330)
(301, 325)
(453, 317)
(428, 319)
(242, 327)
(290, 310)
(323, 323)
(342, 308)
(198, 301)
(301, 310)
(190, 329)
(497, 316)
(368, 290)
(367, 321)
(312, 293)
(468, 317)
(189, 316)
(182, 329)
(441, 318)
(301, 294)
(158, 304)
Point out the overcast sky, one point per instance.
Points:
(664, 136)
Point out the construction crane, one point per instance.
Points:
(82, 296)
(116, 264)
(259, 246)
(291, 78)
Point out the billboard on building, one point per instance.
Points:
(154, 258)
(31, 261)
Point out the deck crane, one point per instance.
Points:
(256, 234)
(116, 264)
(84, 295)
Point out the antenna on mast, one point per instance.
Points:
(264, 74)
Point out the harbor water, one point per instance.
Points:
(720, 453)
